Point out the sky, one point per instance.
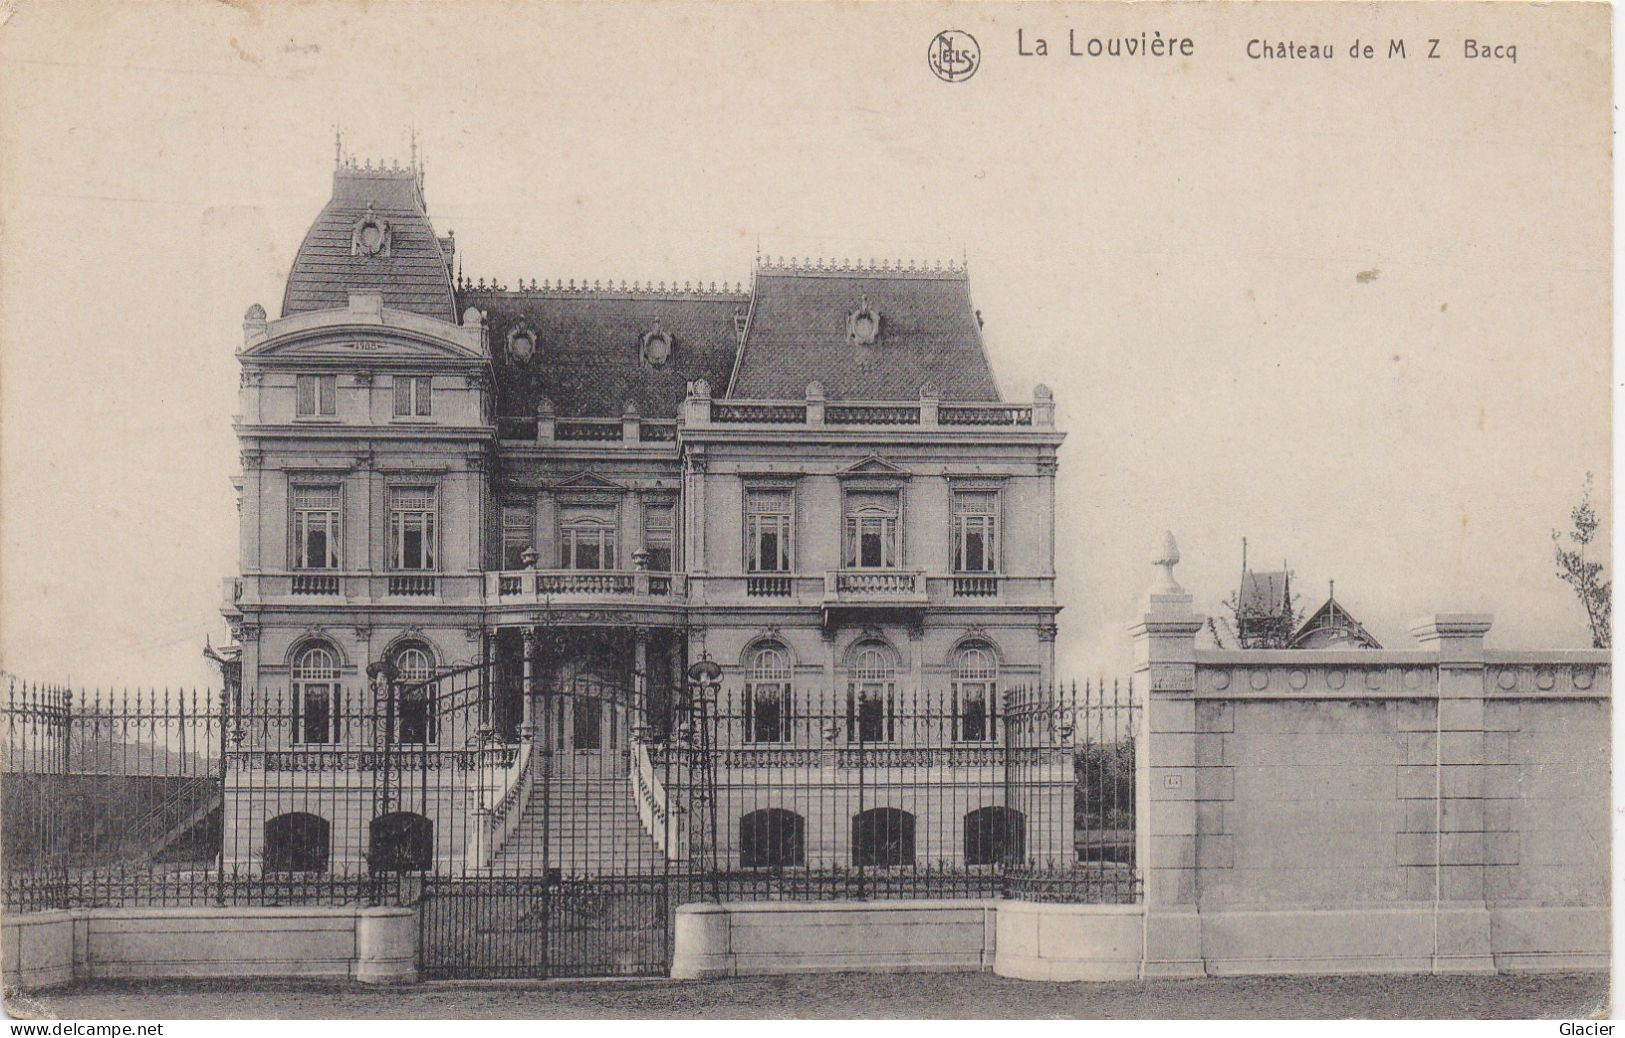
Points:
(1357, 313)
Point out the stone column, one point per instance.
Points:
(527, 723)
(1165, 774)
(1464, 785)
(640, 672)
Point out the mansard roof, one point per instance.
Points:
(863, 332)
(802, 330)
(411, 269)
(589, 356)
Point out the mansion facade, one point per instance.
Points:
(814, 482)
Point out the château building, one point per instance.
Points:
(814, 481)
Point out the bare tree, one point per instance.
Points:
(1586, 577)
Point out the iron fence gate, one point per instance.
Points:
(562, 866)
(548, 822)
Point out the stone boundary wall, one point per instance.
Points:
(1444, 808)
(368, 945)
(1011, 938)
(1054, 942)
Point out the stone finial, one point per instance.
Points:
(472, 317)
(1167, 558)
(544, 407)
(1042, 392)
(256, 313)
(630, 410)
(815, 390)
(702, 388)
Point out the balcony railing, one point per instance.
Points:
(415, 585)
(769, 587)
(981, 586)
(984, 414)
(928, 412)
(595, 430)
(856, 587)
(872, 414)
(629, 430)
(315, 584)
(584, 583)
(876, 582)
(763, 413)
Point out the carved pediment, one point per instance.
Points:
(587, 481)
(874, 466)
(361, 349)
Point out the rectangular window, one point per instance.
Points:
(587, 537)
(518, 534)
(412, 396)
(313, 720)
(411, 527)
(769, 526)
(871, 531)
(870, 712)
(657, 532)
(767, 711)
(318, 395)
(976, 529)
(973, 711)
(315, 526)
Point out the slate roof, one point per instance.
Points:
(929, 335)
(414, 276)
(1333, 617)
(1264, 594)
(589, 360)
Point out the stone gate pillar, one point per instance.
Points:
(1165, 773)
(1456, 800)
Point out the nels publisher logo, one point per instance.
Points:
(954, 55)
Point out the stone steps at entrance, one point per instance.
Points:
(587, 824)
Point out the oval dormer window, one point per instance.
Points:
(521, 345)
(863, 324)
(657, 347)
(370, 236)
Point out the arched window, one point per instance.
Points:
(871, 693)
(883, 836)
(297, 842)
(400, 842)
(772, 838)
(414, 673)
(976, 694)
(315, 694)
(994, 835)
(767, 695)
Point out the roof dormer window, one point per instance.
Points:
(370, 236)
(863, 324)
(656, 347)
(521, 345)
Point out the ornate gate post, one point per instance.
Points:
(1165, 774)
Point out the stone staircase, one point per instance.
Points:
(588, 823)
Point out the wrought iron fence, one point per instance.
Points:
(874, 791)
(398, 792)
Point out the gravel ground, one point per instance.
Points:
(848, 995)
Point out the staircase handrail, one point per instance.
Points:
(176, 806)
(654, 810)
(504, 816)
